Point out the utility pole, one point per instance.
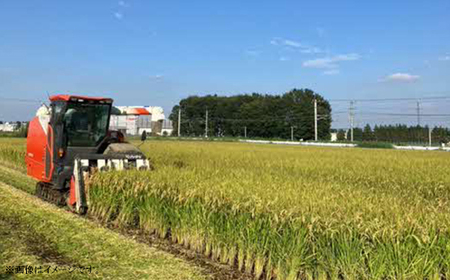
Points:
(315, 120)
(206, 126)
(179, 121)
(351, 116)
(245, 132)
(429, 136)
(292, 133)
(418, 112)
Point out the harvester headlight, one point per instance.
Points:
(61, 152)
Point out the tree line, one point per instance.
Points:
(254, 115)
(399, 133)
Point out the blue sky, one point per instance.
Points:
(157, 52)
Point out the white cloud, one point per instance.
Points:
(311, 50)
(156, 77)
(303, 48)
(445, 58)
(284, 58)
(330, 62)
(285, 42)
(118, 15)
(123, 4)
(401, 77)
(293, 44)
(274, 42)
(332, 72)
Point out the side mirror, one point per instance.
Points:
(144, 136)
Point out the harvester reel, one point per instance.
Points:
(84, 167)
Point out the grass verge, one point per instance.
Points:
(37, 234)
(375, 145)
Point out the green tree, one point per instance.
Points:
(357, 134)
(367, 134)
(268, 116)
(440, 135)
(300, 112)
(341, 135)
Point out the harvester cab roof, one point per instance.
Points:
(78, 98)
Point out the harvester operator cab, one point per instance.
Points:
(85, 125)
(81, 122)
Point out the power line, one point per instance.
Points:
(20, 99)
(391, 99)
(404, 114)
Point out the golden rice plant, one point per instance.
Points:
(12, 152)
(291, 212)
(286, 212)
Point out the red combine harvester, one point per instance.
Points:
(70, 139)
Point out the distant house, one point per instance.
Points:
(334, 136)
(8, 127)
(167, 128)
(134, 120)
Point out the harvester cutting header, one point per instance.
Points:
(68, 140)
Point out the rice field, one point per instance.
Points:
(289, 212)
(36, 234)
(12, 152)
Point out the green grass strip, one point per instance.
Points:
(17, 179)
(37, 234)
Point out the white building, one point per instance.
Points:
(167, 128)
(8, 127)
(334, 136)
(134, 120)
